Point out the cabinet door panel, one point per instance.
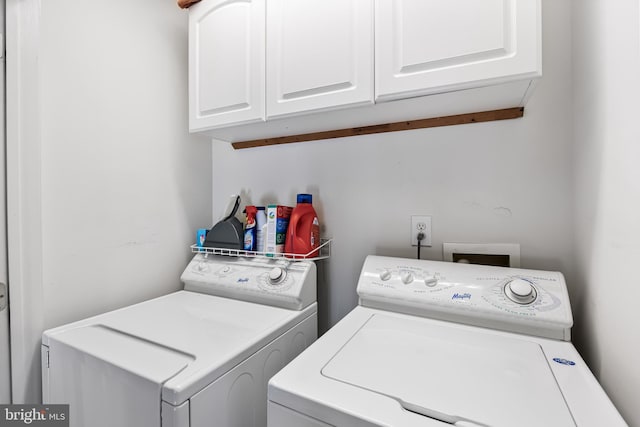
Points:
(431, 46)
(226, 62)
(319, 55)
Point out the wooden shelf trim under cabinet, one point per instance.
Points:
(459, 119)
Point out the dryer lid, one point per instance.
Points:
(453, 374)
(183, 341)
(109, 378)
(153, 362)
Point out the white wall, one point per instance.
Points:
(123, 185)
(607, 149)
(505, 181)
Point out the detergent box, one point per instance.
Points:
(277, 223)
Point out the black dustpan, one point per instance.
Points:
(226, 234)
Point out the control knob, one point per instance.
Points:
(385, 275)
(431, 281)
(406, 277)
(520, 291)
(202, 267)
(277, 275)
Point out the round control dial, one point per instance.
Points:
(520, 291)
(202, 267)
(276, 280)
(406, 277)
(385, 275)
(431, 281)
(277, 275)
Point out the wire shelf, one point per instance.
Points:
(324, 252)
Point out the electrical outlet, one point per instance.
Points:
(420, 224)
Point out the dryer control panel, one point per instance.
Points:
(276, 282)
(519, 300)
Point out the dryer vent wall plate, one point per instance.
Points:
(498, 254)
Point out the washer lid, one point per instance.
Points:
(452, 374)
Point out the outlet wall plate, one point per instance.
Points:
(512, 250)
(420, 223)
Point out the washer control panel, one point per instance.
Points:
(500, 297)
(277, 282)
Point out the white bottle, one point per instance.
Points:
(261, 228)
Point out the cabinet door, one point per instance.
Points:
(226, 63)
(432, 46)
(319, 55)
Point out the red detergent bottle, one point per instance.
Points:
(303, 234)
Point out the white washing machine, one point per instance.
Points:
(193, 358)
(436, 344)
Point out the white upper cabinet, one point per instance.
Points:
(319, 55)
(226, 63)
(269, 68)
(433, 46)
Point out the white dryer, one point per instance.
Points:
(193, 358)
(436, 344)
